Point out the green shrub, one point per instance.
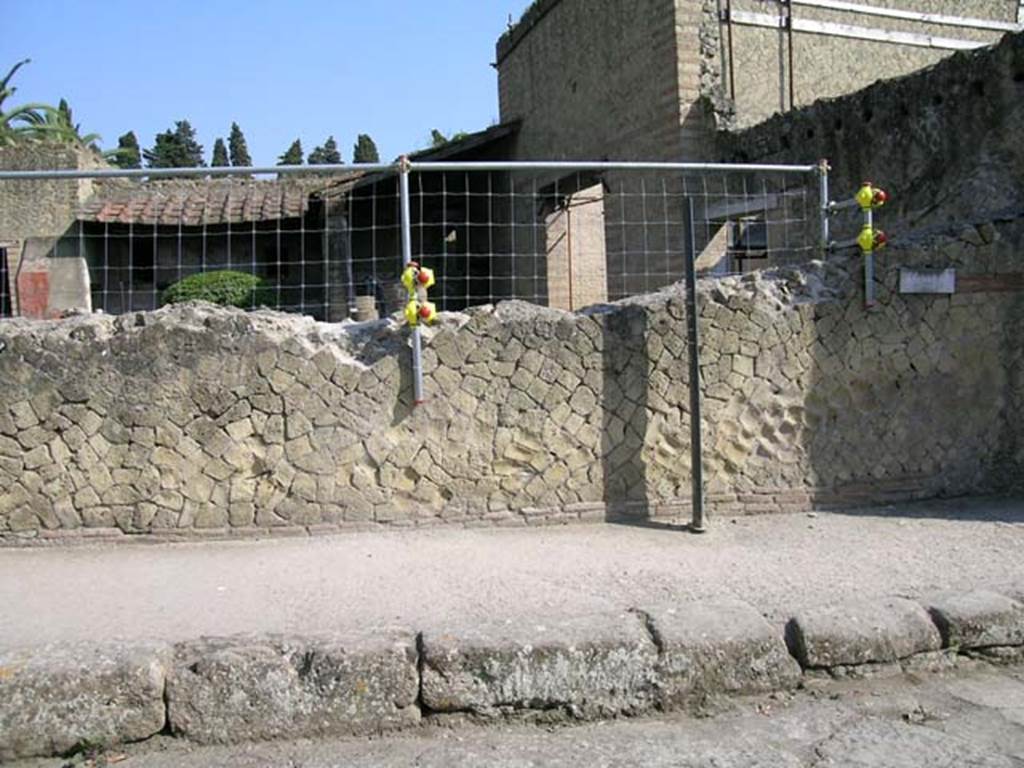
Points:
(224, 287)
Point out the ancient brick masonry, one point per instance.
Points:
(199, 421)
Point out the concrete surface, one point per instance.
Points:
(780, 565)
(973, 717)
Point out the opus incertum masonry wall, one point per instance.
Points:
(197, 421)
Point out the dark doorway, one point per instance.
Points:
(5, 286)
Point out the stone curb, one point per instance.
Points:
(227, 690)
(868, 632)
(587, 666)
(57, 697)
(718, 648)
(260, 688)
(977, 620)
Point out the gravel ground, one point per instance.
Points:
(417, 578)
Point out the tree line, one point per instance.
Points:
(178, 148)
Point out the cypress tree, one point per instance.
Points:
(365, 151)
(176, 149)
(238, 149)
(293, 156)
(328, 154)
(220, 154)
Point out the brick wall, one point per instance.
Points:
(592, 79)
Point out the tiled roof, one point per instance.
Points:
(199, 202)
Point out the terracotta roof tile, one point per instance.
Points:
(198, 202)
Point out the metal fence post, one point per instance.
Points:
(696, 449)
(404, 168)
(823, 169)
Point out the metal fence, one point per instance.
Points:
(328, 240)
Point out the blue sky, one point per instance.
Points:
(282, 69)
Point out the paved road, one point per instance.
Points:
(972, 717)
(416, 578)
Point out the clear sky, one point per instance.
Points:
(283, 69)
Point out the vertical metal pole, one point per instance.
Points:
(789, 44)
(869, 264)
(823, 193)
(417, 340)
(732, 76)
(696, 449)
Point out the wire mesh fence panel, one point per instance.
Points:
(574, 239)
(329, 244)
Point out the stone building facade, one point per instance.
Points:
(651, 79)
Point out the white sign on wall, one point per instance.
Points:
(927, 280)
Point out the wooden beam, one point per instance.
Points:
(1008, 282)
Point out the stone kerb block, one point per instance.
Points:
(249, 689)
(719, 648)
(59, 696)
(589, 666)
(868, 632)
(978, 620)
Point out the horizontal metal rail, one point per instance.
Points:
(164, 173)
(832, 29)
(572, 165)
(352, 170)
(924, 18)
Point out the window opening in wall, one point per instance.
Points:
(748, 243)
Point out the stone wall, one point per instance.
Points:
(196, 421)
(39, 208)
(830, 66)
(947, 142)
